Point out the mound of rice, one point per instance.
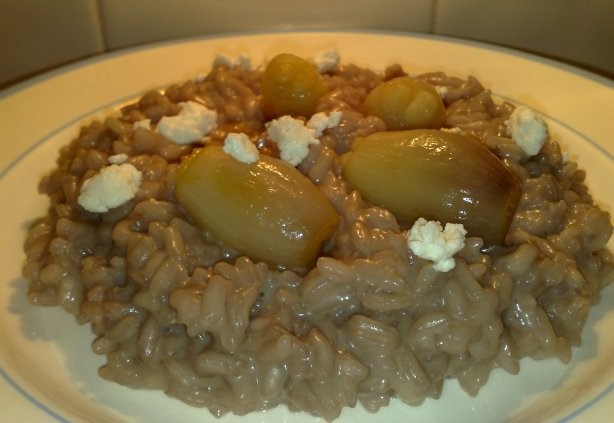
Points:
(174, 309)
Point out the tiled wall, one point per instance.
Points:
(36, 35)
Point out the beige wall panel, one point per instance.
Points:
(135, 22)
(39, 34)
(578, 31)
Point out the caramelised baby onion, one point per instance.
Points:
(437, 175)
(291, 86)
(266, 210)
(406, 103)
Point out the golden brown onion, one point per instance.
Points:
(266, 210)
(291, 86)
(436, 175)
(406, 103)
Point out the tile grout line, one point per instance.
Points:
(101, 32)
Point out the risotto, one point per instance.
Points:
(275, 235)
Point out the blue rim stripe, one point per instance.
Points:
(82, 116)
(588, 405)
(579, 134)
(71, 122)
(26, 395)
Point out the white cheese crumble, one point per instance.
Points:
(239, 146)
(428, 240)
(193, 122)
(453, 130)
(199, 78)
(527, 130)
(292, 138)
(117, 158)
(320, 122)
(113, 186)
(242, 60)
(143, 123)
(326, 61)
(441, 90)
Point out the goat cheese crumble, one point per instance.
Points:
(441, 90)
(326, 61)
(113, 186)
(193, 122)
(240, 147)
(428, 240)
(292, 137)
(527, 130)
(143, 123)
(242, 60)
(117, 158)
(453, 130)
(320, 122)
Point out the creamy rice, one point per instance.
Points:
(174, 309)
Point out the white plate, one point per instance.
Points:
(47, 370)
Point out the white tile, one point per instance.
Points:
(574, 30)
(134, 22)
(39, 34)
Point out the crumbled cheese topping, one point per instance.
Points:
(118, 158)
(441, 90)
(292, 138)
(113, 186)
(242, 60)
(428, 240)
(326, 61)
(320, 122)
(193, 122)
(239, 146)
(143, 123)
(527, 130)
(199, 77)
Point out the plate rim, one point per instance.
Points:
(44, 77)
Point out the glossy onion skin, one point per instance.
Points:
(291, 86)
(267, 210)
(406, 103)
(436, 175)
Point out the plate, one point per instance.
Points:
(47, 369)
